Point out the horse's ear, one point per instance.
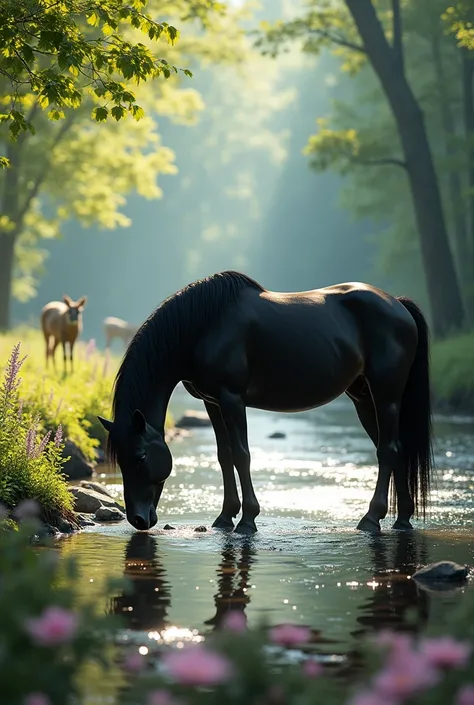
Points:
(82, 301)
(139, 422)
(67, 300)
(108, 425)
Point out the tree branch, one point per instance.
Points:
(397, 34)
(325, 34)
(34, 190)
(387, 161)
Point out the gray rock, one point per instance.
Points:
(46, 530)
(109, 514)
(85, 520)
(64, 526)
(167, 527)
(77, 466)
(200, 529)
(88, 501)
(277, 434)
(442, 572)
(194, 419)
(96, 487)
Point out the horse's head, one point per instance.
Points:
(74, 308)
(145, 462)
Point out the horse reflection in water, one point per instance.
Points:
(145, 604)
(396, 602)
(233, 580)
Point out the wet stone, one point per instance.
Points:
(277, 434)
(109, 514)
(168, 527)
(443, 571)
(200, 529)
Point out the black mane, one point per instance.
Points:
(175, 326)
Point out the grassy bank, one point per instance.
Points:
(452, 366)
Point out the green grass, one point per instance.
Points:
(452, 368)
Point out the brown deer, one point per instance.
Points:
(118, 328)
(61, 322)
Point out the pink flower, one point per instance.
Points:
(134, 663)
(198, 666)
(161, 697)
(406, 675)
(36, 699)
(290, 635)
(392, 640)
(368, 697)
(465, 695)
(312, 669)
(235, 621)
(55, 626)
(27, 509)
(445, 652)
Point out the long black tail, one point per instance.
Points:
(415, 416)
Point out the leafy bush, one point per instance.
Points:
(453, 371)
(30, 466)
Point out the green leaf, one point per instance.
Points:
(56, 115)
(137, 112)
(100, 114)
(4, 163)
(118, 112)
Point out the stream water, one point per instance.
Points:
(307, 563)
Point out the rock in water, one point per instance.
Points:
(88, 501)
(194, 419)
(442, 572)
(200, 529)
(109, 514)
(96, 487)
(277, 434)
(77, 466)
(167, 527)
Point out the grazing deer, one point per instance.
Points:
(61, 322)
(117, 328)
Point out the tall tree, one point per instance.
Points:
(355, 26)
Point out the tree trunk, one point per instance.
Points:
(443, 289)
(468, 105)
(456, 186)
(8, 234)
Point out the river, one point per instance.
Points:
(307, 563)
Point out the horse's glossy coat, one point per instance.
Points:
(235, 345)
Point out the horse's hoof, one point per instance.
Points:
(246, 528)
(402, 525)
(223, 524)
(369, 524)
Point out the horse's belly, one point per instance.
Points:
(287, 394)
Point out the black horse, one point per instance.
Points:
(234, 344)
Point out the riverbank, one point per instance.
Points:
(452, 372)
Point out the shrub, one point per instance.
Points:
(30, 464)
(453, 371)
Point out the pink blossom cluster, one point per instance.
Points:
(54, 626)
(411, 669)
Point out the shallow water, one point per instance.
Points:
(307, 563)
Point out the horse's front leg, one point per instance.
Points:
(231, 504)
(235, 420)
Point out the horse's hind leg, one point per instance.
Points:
(231, 503)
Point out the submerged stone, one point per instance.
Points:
(109, 514)
(200, 529)
(443, 571)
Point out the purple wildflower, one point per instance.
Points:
(11, 379)
(58, 436)
(90, 348)
(30, 442)
(43, 444)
